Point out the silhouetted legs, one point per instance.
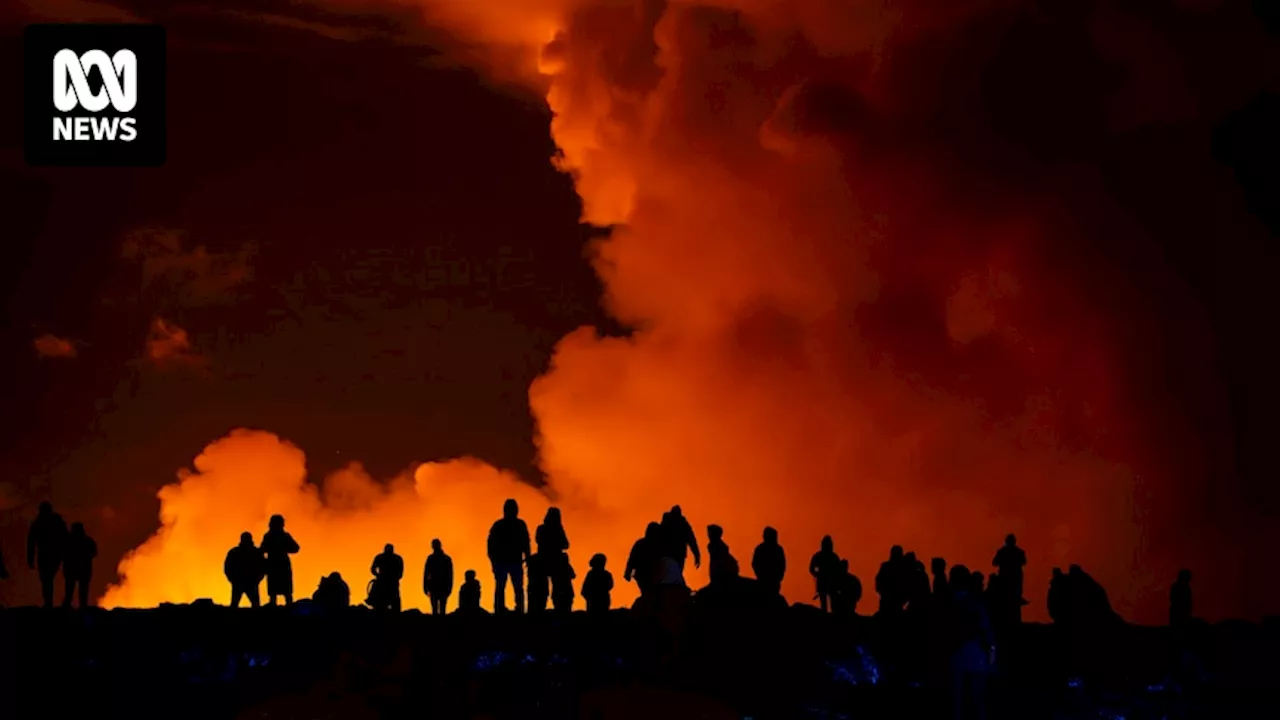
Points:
(69, 591)
(288, 599)
(438, 604)
(824, 600)
(47, 576)
(250, 592)
(501, 572)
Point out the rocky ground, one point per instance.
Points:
(179, 662)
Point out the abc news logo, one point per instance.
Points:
(107, 106)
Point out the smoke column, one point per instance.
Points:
(857, 311)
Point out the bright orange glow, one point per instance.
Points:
(754, 393)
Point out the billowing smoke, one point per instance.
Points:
(860, 307)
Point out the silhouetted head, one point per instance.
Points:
(246, 539)
(828, 545)
(1075, 570)
(1057, 573)
(597, 561)
(276, 522)
(910, 557)
(553, 516)
(1184, 576)
(77, 529)
(895, 552)
(771, 536)
(1010, 540)
(653, 531)
(510, 509)
(977, 579)
(844, 565)
(46, 508)
(389, 549)
(676, 511)
(939, 566)
(437, 546)
(470, 575)
(959, 576)
(335, 576)
(715, 532)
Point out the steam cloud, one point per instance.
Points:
(857, 312)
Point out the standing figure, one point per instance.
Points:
(553, 559)
(769, 562)
(437, 578)
(469, 594)
(824, 566)
(277, 546)
(723, 565)
(46, 543)
(387, 569)
(1180, 599)
(77, 565)
(1009, 561)
(848, 591)
(508, 552)
(597, 588)
(938, 566)
(642, 563)
(891, 581)
(244, 568)
(679, 539)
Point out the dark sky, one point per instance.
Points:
(330, 171)
(345, 176)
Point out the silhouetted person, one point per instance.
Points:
(277, 546)
(77, 565)
(723, 565)
(538, 593)
(46, 543)
(824, 566)
(642, 563)
(244, 568)
(469, 594)
(553, 560)
(769, 562)
(971, 645)
(939, 568)
(597, 587)
(333, 593)
(848, 592)
(979, 583)
(1009, 561)
(889, 582)
(1180, 599)
(508, 551)
(437, 578)
(1057, 601)
(387, 569)
(679, 538)
(916, 583)
(1088, 603)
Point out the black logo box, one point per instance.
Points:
(40, 44)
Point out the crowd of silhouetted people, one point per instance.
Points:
(536, 566)
(972, 608)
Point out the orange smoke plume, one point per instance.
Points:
(831, 336)
(52, 346)
(168, 344)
